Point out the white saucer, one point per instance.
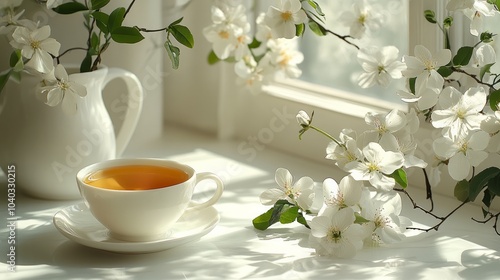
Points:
(77, 223)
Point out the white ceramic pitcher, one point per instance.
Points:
(48, 147)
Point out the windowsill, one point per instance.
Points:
(347, 103)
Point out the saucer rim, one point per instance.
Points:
(119, 246)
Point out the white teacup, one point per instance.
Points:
(141, 214)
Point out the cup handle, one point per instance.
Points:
(218, 192)
(134, 105)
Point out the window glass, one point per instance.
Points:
(331, 62)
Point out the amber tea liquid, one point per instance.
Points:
(136, 177)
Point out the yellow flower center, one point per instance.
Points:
(381, 222)
(35, 45)
(461, 113)
(362, 18)
(372, 167)
(381, 69)
(286, 16)
(429, 64)
(224, 34)
(63, 86)
(335, 235)
(285, 59)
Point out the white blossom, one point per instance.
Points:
(360, 19)
(64, 90)
(345, 153)
(463, 150)
(424, 62)
(376, 166)
(386, 123)
(301, 193)
(383, 214)
(380, 65)
(282, 17)
(36, 46)
(459, 111)
(283, 56)
(345, 194)
(335, 234)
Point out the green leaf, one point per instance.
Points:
(317, 29)
(289, 214)
(183, 35)
(430, 16)
(173, 53)
(400, 176)
(16, 76)
(86, 63)
(94, 44)
(463, 56)
(485, 69)
(487, 198)
(263, 221)
(212, 58)
(4, 77)
(97, 4)
(360, 219)
(299, 29)
(101, 20)
(462, 191)
(411, 83)
(494, 185)
(316, 7)
(445, 71)
(269, 218)
(70, 8)
(116, 19)
(447, 22)
(176, 22)
(255, 44)
(16, 61)
(302, 220)
(479, 181)
(495, 100)
(126, 35)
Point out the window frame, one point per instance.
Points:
(334, 109)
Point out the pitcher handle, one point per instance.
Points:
(134, 105)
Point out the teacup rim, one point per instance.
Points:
(83, 172)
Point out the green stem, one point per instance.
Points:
(328, 136)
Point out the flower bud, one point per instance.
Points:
(303, 118)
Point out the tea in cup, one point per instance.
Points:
(140, 199)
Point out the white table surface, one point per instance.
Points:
(461, 249)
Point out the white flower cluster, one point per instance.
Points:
(351, 215)
(230, 35)
(36, 52)
(453, 95)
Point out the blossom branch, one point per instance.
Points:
(326, 30)
(429, 212)
(67, 51)
(490, 217)
(129, 8)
